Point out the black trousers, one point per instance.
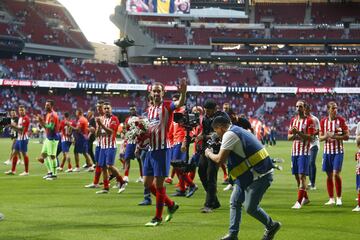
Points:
(208, 175)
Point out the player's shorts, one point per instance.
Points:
(357, 182)
(65, 146)
(97, 154)
(50, 147)
(332, 162)
(81, 145)
(300, 164)
(107, 157)
(143, 154)
(177, 154)
(21, 145)
(157, 163)
(130, 151)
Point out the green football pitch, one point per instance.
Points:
(35, 209)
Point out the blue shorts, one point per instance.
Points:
(357, 182)
(300, 164)
(21, 145)
(177, 154)
(157, 163)
(65, 146)
(130, 151)
(81, 146)
(97, 154)
(107, 157)
(332, 162)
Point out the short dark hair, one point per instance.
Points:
(159, 84)
(80, 110)
(331, 103)
(100, 102)
(220, 121)
(66, 114)
(176, 96)
(210, 104)
(21, 106)
(51, 102)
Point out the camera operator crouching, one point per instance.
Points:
(207, 168)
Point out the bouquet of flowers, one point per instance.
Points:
(136, 127)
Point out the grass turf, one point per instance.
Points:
(35, 209)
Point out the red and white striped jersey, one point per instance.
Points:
(306, 126)
(24, 123)
(160, 118)
(66, 131)
(338, 127)
(109, 140)
(357, 159)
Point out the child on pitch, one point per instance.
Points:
(357, 159)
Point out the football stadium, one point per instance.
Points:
(219, 119)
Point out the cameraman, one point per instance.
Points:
(208, 169)
(251, 169)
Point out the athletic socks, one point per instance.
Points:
(301, 194)
(330, 187)
(106, 184)
(162, 198)
(338, 185)
(26, 163)
(359, 199)
(97, 175)
(14, 162)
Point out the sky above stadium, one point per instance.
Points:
(92, 16)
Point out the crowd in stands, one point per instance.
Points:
(42, 23)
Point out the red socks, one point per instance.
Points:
(359, 199)
(301, 194)
(14, 162)
(305, 195)
(26, 163)
(106, 184)
(338, 185)
(120, 179)
(127, 172)
(192, 175)
(97, 175)
(330, 187)
(161, 198)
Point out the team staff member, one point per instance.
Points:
(22, 140)
(157, 161)
(13, 136)
(251, 169)
(333, 131)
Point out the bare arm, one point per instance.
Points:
(219, 158)
(182, 90)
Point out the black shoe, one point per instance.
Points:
(154, 222)
(270, 233)
(192, 190)
(216, 205)
(171, 211)
(206, 210)
(229, 237)
(178, 194)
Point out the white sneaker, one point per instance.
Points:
(76, 169)
(85, 166)
(24, 174)
(116, 186)
(20, 162)
(338, 201)
(357, 209)
(313, 188)
(10, 172)
(7, 162)
(330, 202)
(228, 187)
(60, 169)
(126, 179)
(69, 170)
(122, 188)
(297, 205)
(90, 169)
(305, 201)
(46, 176)
(103, 191)
(140, 179)
(92, 185)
